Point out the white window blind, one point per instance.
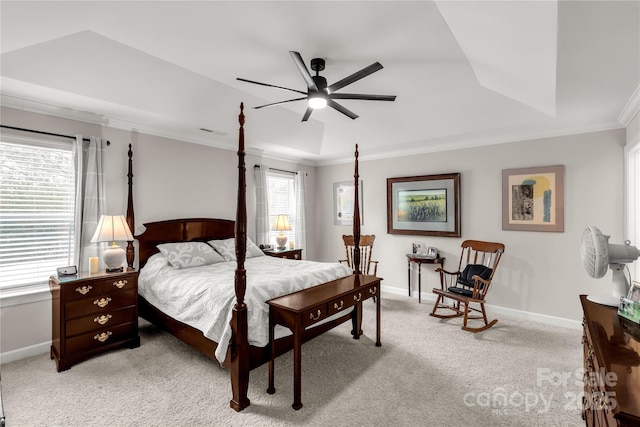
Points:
(282, 200)
(37, 199)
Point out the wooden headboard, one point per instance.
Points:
(181, 230)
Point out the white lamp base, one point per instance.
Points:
(113, 258)
(281, 239)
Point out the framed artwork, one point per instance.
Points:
(343, 202)
(427, 205)
(634, 291)
(533, 199)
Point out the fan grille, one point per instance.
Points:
(595, 252)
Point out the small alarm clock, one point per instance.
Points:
(67, 271)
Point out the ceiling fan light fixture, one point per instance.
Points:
(317, 101)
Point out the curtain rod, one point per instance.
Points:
(47, 133)
(279, 170)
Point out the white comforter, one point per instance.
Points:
(203, 297)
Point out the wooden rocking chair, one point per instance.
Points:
(366, 248)
(470, 284)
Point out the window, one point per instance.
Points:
(632, 154)
(37, 203)
(282, 200)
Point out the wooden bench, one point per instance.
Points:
(305, 308)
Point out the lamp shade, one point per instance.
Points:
(112, 228)
(281, 223)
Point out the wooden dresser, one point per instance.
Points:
(612, 367)
(93, 313)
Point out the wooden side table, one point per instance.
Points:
(285, 253)
(420, 259)
(92, 313)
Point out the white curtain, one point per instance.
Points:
(301, 211)
(91, 199)
(262, 205)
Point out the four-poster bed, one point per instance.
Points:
(242, 354)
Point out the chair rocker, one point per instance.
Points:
(469, 284)
(366, 248)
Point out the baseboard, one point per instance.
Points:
(24, 352)
(519, 314)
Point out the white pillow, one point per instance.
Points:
(227, 248)
(189, 254)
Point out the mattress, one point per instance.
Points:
(203, 297)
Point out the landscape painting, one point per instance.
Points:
(424, 205)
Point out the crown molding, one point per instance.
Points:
(630, 109)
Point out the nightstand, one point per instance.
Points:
(92, 313)
(285, 253)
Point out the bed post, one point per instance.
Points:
(356, 218)
(357, 311)
(239, 348)
(131, 253)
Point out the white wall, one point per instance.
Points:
(540, 272)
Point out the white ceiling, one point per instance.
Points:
(465, 73)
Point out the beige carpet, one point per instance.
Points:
(428, 372)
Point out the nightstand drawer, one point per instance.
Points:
(100, 321)
(100, 338)
(92, 288)
(101, 303)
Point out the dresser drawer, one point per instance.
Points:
(314, 315)
(101, 303)
(100, 321)
(97, 339)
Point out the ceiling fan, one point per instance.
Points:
(318, 94)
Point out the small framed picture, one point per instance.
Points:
(417, 248)
(634, 292)
(432, 252)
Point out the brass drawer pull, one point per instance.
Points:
(373, 290)
(102, 302)
(84, 290)
(358, 297)
(103, 319)
(296, 256)
(120, 284)
(338, 307)
(312, 317)
(102, 337)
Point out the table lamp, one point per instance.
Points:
(113, 228)
(281, 223)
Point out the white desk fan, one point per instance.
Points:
(597, 253)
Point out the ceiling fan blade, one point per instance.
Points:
(343, 110)
(277, 103)
(355, 77)
(269, 85)
(363, 97)
(307, 114)
(303, 70)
